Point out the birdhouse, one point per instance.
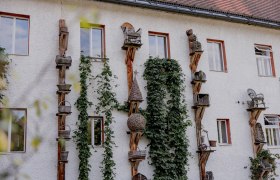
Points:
(132, 38)
(135, 97)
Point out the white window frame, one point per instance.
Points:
(165, 44)
(93, 119)
(14, 33)
(102, 40)
(269, 131)
(215, 53)
(220, 138)
(10, 131)
(266, 59)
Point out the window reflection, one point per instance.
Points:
(157, 46)
(92, 42)
(13, 124)
(96, 42)
(6, 34)
(21, 37)
(85, 41)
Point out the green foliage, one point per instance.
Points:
(3, 71)
(256, 167)
(107, 103)
(166, 119)
(81, 133)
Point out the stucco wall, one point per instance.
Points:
(35, 77)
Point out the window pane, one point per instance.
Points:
(18, 130)
(224, 131)
(6, 33)
(98, 131)
(215, 56)
(21, 37)
(218, 127)
(276, 136)
(161, 46)
(85, 39)
(210, 56)
(152, 46)
(96, 42)
(5, 121)
(267, 137)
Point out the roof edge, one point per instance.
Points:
(194, 11)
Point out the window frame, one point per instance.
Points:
(270, 127)
(223, 54)
(167, 43)
(103, 34)
(228, 132)
(92, 119)
(18, 16)
(273, 72)
(25, 132)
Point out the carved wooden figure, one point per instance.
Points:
(132, 41)
(195, 50)
(63, 37)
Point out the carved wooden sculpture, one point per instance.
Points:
(201, 101)
(132, 41)
(62, 63)
(63, 37)
(195, 50)
(136, 123)
(255, 107)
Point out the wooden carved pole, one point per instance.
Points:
(130, 53)
(198, 79)
(62, 64)
(132, 41)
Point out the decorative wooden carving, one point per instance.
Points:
(197, 80)
(62, 63)
(132, 41)
(136, 124)
(201, 101)
(139, 177)
(255, 107)
(195, 50)
(135, 97)
(63, 37)
(203, 158)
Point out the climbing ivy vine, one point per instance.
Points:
(3, 71)
(257, 165)
(106, 104)
(81, 134)
(166, 116)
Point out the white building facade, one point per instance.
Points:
(236, 57)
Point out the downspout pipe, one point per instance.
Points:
(156, 5)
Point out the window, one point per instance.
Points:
(223, 127)
(264, 60)
(96, 132)
(216, 55)
(271, 123)
(159, 45)
(14, 33)
(12, 130)
(92, 41)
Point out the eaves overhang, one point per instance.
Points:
(195, 11)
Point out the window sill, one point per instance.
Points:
(218, 71)
(267, 76)
(273, 147)
(224, 144)
(11, 153)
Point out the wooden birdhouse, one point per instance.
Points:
(135, 97)
(132, 38)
